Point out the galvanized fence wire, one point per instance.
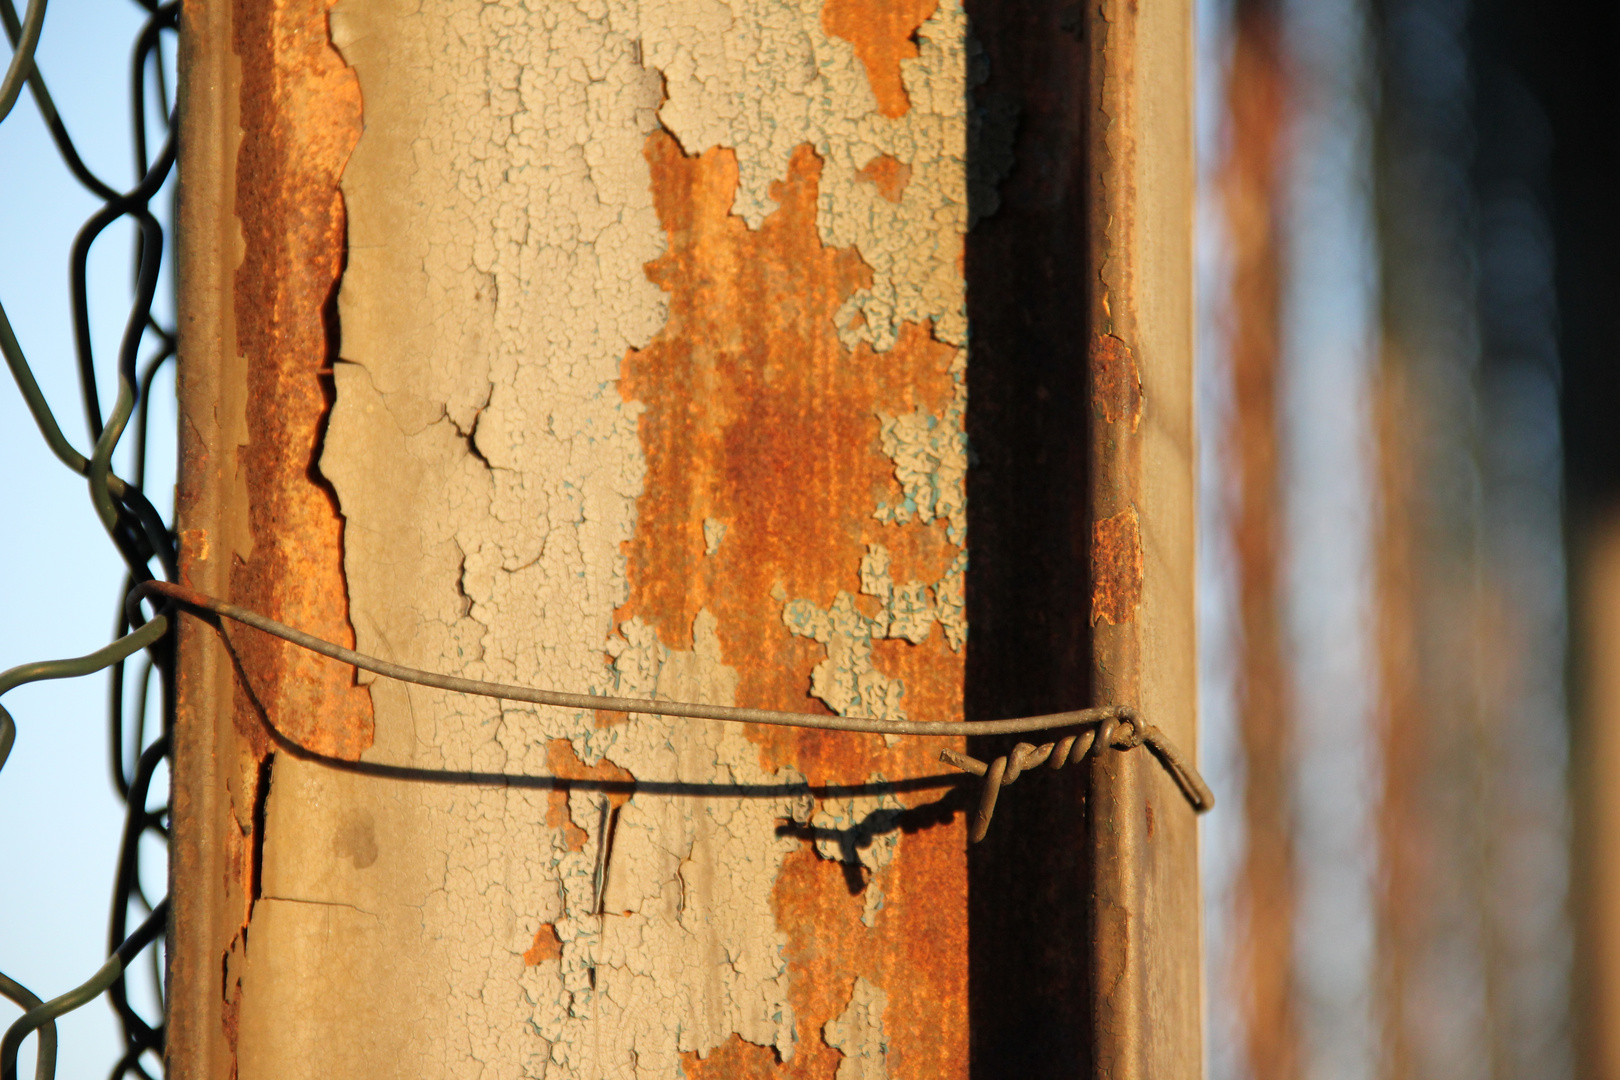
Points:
(137, 531)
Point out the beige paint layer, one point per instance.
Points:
(487, 467)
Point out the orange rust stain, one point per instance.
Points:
(915, 952)
(607, 718)
(1116, 568)
(230, 1023)
(1116, 387)
(300, 119)
(299, 115)
(564, 764)
(757, 415)
(888, 174)
(881, 31)
(547, 946)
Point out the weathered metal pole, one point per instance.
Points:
(1145, 1018)
(626, 350)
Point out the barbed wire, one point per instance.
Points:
(134, 526)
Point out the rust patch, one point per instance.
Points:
(888, 174)
(564, 764)
(915, 953)
(300, 118)
(1116, 568)
(1116, 388)
(881, 31)
(230, 1021)
(299, 115)
(547, 946)
(756, 415)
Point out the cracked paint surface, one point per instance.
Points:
(858, 1034)
(764, 77)
(651, 384)
(787, 448)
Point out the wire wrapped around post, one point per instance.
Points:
(1117, 726)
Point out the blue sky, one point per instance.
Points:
(60, 818)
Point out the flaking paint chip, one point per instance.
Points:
(714, 531)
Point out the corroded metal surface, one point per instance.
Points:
(759, 419)
(797, 534)
(1145, 1019)
(300, 119)
(269, 114)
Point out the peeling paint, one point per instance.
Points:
(930, 461)
(713, 533)
(629, 351)
(563, 762)
(847, 681)
(787, 449)
(685, 951)
(763, 77)
(861, 832)
(858, 1034)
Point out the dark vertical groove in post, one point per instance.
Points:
(1027, 593)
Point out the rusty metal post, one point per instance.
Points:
(269, 115)
(1145, 1017)
(651, 400)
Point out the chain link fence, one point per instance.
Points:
(140, 658)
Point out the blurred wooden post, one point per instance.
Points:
(1253, 184)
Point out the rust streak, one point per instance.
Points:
(300, 117)
(757, 416)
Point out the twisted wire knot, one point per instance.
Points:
(1121, 729)
(1116, 726)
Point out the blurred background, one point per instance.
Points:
(1410, 581)
(1410, 277)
